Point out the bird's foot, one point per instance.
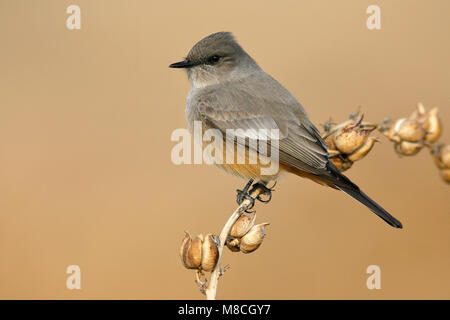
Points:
(265, 196)
(244, 194)
(266, 191)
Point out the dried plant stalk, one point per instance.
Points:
(211, 290)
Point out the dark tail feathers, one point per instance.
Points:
(343, 183)
(372, 205)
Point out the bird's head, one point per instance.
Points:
(214, 59)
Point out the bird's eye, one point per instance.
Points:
(214, 59)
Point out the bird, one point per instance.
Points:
(229, 90)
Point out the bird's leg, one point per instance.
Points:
(266, 191)
(244, 194)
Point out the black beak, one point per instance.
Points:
(183, 64)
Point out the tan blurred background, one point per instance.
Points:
(85, 170)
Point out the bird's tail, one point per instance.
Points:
(343, 183)
(372, 205)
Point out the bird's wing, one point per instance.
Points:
(260, 102)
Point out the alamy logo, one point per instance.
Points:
(374, 281)
(374, 20)
(74, 280)
(74, 20)
(238, 146)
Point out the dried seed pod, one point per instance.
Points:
(406, 148)
(351, 137)
(210, 253)
(200, 253)
(445, 156)
(419, 114)
(253, 239)
(191, 252)
(348, 141)
(233, 244)
(363, 150)
(410, 130)
(391, 134)
(185, 243)
(429, 121)
(442, 156)
(330, 142)
(432, 126)
(243, 225)
(445, 173)
(333, 153)
(341, 163)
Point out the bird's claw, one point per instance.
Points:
(265, 191)
(246, 194)
(241, 196)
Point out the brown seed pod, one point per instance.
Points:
(331, 146)
(445, 173)
(243, 225)
(410, 130)
(341, 163)
(191, 252)
(391, 134)
(253, 239)
(445, 156)
(330, 143)
(442, 156)
(348, 141)
(233, 244)
(351, 137)
(185, 243)
(419, 114)
(210, 253)
(363, 150)
(406, 148)
(199, 253)
(432, 126)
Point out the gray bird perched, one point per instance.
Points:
(230, 91)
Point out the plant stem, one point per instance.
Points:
(211, 291)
